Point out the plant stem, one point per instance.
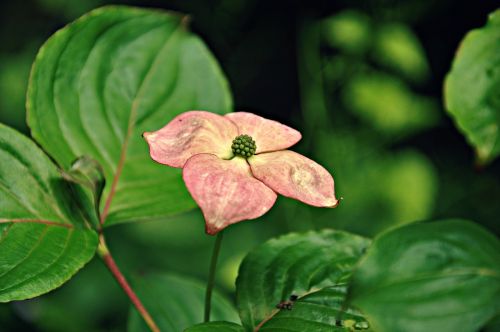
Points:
(211, 276)
(111, 264)
(265, 320)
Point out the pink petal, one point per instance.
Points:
(269, 135)
(191, 133)
(295, 176)
(225, 190)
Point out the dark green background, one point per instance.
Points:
(388, 172)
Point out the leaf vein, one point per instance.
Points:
(68, 238)
(34, 246)
(131, 121)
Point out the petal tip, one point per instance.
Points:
(213, 226)
(210, 230)
(334, 205)
(146, 135)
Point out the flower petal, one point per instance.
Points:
(269, 135)
(225, 190)
(191, 133)
(293, 175)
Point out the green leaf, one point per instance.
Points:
(43, 238)
(216, 326)
(472, 89)
(14, 73)
(321, 311)
(441, 276)
(87, 172)
(296, 264)
(176, 303)
(99, 83)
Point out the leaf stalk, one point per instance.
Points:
(104, 253)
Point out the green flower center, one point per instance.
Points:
(244, 146)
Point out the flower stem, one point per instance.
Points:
(104, 253)
(211, 276)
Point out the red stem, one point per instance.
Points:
(111, 264)
(265, 320)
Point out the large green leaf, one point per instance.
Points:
(216, 326)
(441, 276)
(472, 88)
(176, 303)
(102, 81)
(297, 264)
(43, 237)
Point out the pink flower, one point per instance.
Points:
(234, 165)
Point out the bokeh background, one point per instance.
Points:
(362, 80)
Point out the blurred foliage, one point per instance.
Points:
(386, 103)
(14, 73)
(393, 45)
(69, 307)
(349, 30)
(379, 189)
(181, 303)
(361, 80)
(68, 9)
(397, 47)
